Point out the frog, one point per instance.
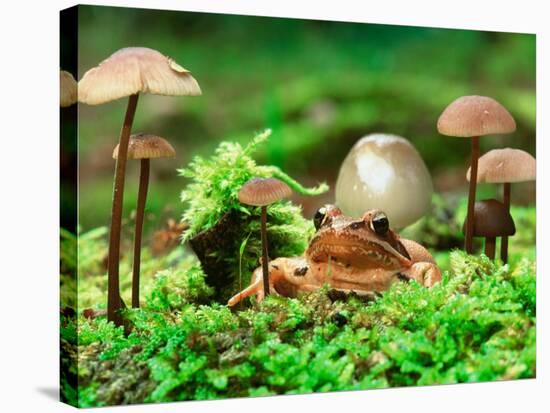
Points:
(352, 255)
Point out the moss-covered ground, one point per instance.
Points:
(478, 324)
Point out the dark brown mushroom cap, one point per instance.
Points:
(146, 146)
(471, 116)
(505, 165)
(492, 219)
(135, 70)
(68, 89)
(263, 191)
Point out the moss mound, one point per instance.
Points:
(224, 233)
(478, 324)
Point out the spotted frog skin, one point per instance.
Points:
(351, 255)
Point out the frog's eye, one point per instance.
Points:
(325, 214)
(319, 217)
(380, 224)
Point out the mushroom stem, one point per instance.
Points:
(265, 258)
(468, 242)
(490, 243)
(142, 197)
(113, 294)
(504, 240)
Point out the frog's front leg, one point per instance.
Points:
(287, 276)
(425, 273)
(424, 269)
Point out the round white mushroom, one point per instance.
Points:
(385, 172)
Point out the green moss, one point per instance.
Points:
(477, 324)
(174, 288)
(216, 183)
(212, 193)
(92, 270)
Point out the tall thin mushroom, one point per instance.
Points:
(263, 192)
(472, 117)
(127, 73)
(491, 220)
(143, 147)
(505, 166)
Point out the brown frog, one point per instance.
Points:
(351, 255)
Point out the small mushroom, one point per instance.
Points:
(384, 172)
(263, 192)
(127, 73)
(68, 89)
(472, 117)
(504, 166)
(491, 220)
(143, 147)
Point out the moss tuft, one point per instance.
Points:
(216, 183)
(211, 198)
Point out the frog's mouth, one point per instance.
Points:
(364, 254)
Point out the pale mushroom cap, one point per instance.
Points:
(263, 191)
(68, 89)
(145, 146)
(505, 165)
(384, 172)
(492, 219)
(471, 116)
(135, 70)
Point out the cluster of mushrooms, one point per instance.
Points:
(129, 72)
(473, 117)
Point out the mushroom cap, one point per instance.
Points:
(471, 116)
(68, 89)
(135, 70)
(384, 172)
(146, 146)
(492, 219)
(505, 165)
(263, 191)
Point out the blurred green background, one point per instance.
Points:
(318, 85)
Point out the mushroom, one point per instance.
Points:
(68, 89)
(129, 72)
(384, 172)
(504, 166)
(472, 117)
(143, 147)
(491, 220)
(263, 192)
